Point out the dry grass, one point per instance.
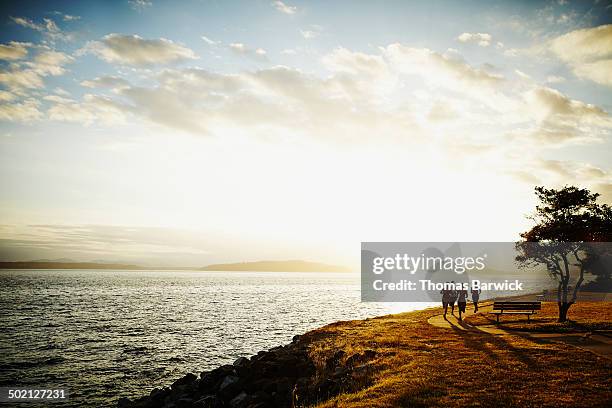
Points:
(583, 317)
(418, 365)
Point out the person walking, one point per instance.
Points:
(461, 301)
(475, 298)
(453, 298)
(446, 296)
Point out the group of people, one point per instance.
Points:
(450, 296)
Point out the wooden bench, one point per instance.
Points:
(526, 308)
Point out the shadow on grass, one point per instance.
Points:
(481, 341)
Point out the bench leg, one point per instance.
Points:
(528, 318)
(497, 316)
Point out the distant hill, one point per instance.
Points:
(62, 260)
(265, 266)
(277, 266)
(66, 265)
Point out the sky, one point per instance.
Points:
(196, 132)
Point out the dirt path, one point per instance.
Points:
(593, 342)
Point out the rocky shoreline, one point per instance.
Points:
(284, 376)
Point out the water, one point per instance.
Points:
(107, 334)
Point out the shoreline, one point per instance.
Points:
(398, 360)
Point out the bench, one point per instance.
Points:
(526, 308)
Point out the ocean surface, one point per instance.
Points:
(107, 334)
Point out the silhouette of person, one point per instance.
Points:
(446, 297)
(461, 301)
(452, 298)
(475, 297)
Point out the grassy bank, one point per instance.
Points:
(404, 361)
(417, 364)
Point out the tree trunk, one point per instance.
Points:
(563, 308)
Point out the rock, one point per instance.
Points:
(260, 405)
(209, 401)
(369, 354)
(261, 396)
(241, 362)
(123, 402)
(184, 403)
(267, 356)
(333, 361)
(230, 386)
(340, 371)
(158, 396)
(358, 358)
(210, 380)
(279, 377)
(225, 369)
(187, 379)
(228, 382)
(265, 385)
(265, 369)
(328, 388)
(239, 400)
(284, 386)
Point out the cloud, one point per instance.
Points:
(50, 62)
(14, 50)
(548, 104)
(66, 17)
(482, 39)
(69, 17)
(284, 8)
(343, 60)
(48, 28)
(139, 5)
(310, 34)
(30, 74)
(241, 49)
(522, 75)
(562, 172)
(560, 120)
(554, 79)
(362, 94)
(26, 22)
(441, 70)
(209, 41)
(108, 81)
(137, 51)
(6, 96)
(93, 109)
(441, 112)
(199, 102)
(17, 79)
(429, 63)
(588, 51)
(577, 172)
(26, 111)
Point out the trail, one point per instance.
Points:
(596, 343)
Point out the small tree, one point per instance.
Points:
(568, 222)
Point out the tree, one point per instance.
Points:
(572, 232)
